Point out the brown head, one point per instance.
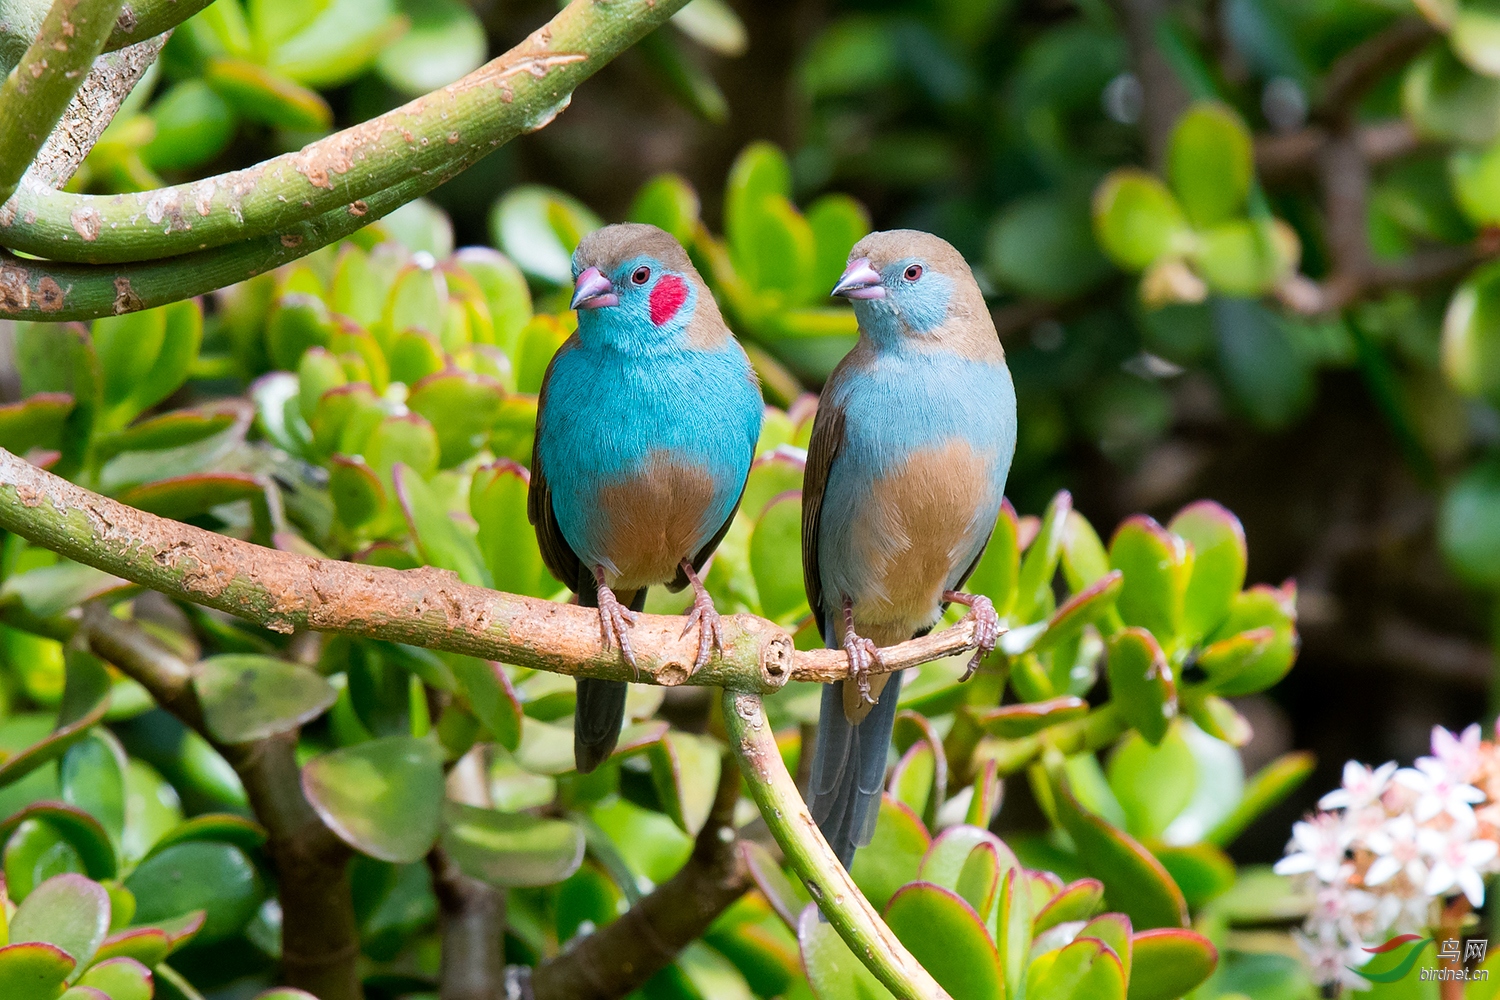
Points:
(907, 285)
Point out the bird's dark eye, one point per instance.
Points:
(641, 275)
(913, 272)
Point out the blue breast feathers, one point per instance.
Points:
(609, 414)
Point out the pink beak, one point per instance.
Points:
(860, 281)
(593, 290)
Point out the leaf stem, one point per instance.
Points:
(436, 134)
(784, 811)
(35, 95)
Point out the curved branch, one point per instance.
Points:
(143, 19)
(448, 129)
(34, 96)
(618, 958)
(111, 80)
(782, 808)
(320, 950)
(424, 607)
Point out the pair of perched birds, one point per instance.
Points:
(646, 428)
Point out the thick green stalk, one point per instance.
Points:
(40, 290)
(802, 843)
(143, 19)
(450, 128)
(35, 95)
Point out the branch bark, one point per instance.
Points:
(473, 918)
(284, 591)
(448, 129)
(114, 75)
(786, 814)
(618, 958)
(320, 941)
(1164, 98)
(37, 92)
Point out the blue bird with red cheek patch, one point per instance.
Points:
(646, 426)
(906, 472)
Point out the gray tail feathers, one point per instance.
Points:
(848, 771)
(601, 704)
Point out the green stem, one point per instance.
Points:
(802, 843)
(447, 130)
(143, 19)
(35, 95)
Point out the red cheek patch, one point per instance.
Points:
(667, 297)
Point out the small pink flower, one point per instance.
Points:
(1333, 962)
(1362, 786)
(1439, 792)
(1456, 861)
(1317, 846)
(1398, 852)
(1459, 755)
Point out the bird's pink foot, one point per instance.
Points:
(704, 615)
(986, 626)
(615, 620)
(863, 654)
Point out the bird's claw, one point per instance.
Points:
(710, 628)
(863, 656)
(614, 623)
(986, 632)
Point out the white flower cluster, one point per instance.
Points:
(1389, 845)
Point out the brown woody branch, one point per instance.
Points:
(320, 941)
(1355, 72)
(620, 957)
(429, 607)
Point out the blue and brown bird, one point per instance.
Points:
(646, 427)
(906, 472)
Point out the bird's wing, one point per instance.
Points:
(827, 439)
(559, 556)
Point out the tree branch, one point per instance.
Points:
(429, 607)
(1291, 155)
(618, 958)
(36, 93)
(786, 814)
(1164, 98)
(114, 75)
(143, 19)
(448, 129)
(1353, 74)
(320, 941)
(473, 915)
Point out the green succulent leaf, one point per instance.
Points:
(943, 932)
(70, 912)
(685, 770)
(1141, 683)
(247, 697)
(833, 971)
(34, 970)
(894, 854)
(506, 849)
(1169, 963)
(1211, 162)
(1137, 221)
(209, 876)
(382, 797)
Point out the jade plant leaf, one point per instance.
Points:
(1211, 163)
(247, 697)
(1153, 783)
(685, 770)
(91, 778)
(832, 969)
(1219, 557)
(1156, 565)
(119, 978)
(34, 971)
(84, 702)
(68, 911)
(772, 881)
(227, 828)
(1010, 722)
(944, 933)
(1078, 900)
(511, 849)
(211, 876)
(1141, 683)
(383, 797)
(1137, 220)
(441, 540)
(775, 559)
(1135, 883)
(893, 855)
(35, 422)
(182, 497)
(1039, 565)
(497, 502)
(462, 407)
(1169, 963)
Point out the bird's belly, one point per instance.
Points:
(651, 519)
(914, 533)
